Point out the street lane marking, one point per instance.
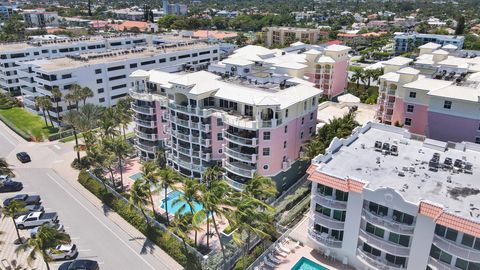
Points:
(8, 139)
(101, 222)
(58, 161)
(84, 250)
(58, 147)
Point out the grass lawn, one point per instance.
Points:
(29, 123)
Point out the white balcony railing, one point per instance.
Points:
(457, 249)
(235, 153)
(376, 262)
(234, 184)
(143, 110)
(240, 169)
(324, 239)
(145, 123)
(328, 222)
(146, 136)
(384, 244)
(329, 202)
(240, 140)
(387, 222)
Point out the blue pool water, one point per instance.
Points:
(136, 176)
(306, 264)
(174, 208)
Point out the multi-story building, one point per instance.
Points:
(283, 36)
(439, 98)
(40, 18)
(204, 120)
(6, 10)
(129, 14)
(107, 73)
(385, 199)
(13, 53)
(405, 42)
(325, 67)
(175, 8)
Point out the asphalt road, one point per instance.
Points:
(98, 236)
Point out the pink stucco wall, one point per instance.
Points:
(339, 78)
(216, 144)
(398, 111)
(452, 128)
(160, 126)
(419, 118)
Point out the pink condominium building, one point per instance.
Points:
(437, 96)
(385, 198)
(202, 119)
(325, 67)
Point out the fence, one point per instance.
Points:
(60, 135)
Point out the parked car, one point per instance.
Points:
(36, 219)
(29, 209)
(28, 199)
(10, 186)
(5, 178)
(63, 252)
(83, 265)
(56, 226)
(23, 157)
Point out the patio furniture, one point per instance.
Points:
(273, 259)
(279, 252)
(345, 261)
(284, 249)
(327, 253)
(268, 263)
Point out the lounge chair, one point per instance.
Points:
(273, 259)
(284, 249)
(279, 252)
(268, 263)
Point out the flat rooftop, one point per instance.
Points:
(120, 55)
(409, 172)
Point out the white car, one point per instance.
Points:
(63, 252)
(57, 226)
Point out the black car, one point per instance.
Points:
(83, 265)
(28, 199)
(29, 209)
(10, 186)
(23, 157)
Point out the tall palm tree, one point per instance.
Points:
(70, 99)
(139, 198)
(46, 238)
(72, 119)
(182, 225)
(45, 104)
(108, 123)
(161, 157)
(357, 76)
(121, 149)
(124, 114)
(57, 95)
(168, 179)
(5, 168)
(11, 210)
(150, 177)
(189, 197)
(261, 187)
(213, 173)
(76, 94)
(85, 93)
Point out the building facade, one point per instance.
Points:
(6, 10)
(175, 9)
(405, 42)
(204, 120)
(40, 18)
(284, 36)
(106, 73)
(383, 199)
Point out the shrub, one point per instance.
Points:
(165, 241)
(250, 258)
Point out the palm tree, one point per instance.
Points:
(121, 149)
(150, 177)
(72, 119)
(85, 93)
(139, 198)
(168, 179)
(45, 104)
(213, 173)
(357, 76)
(124, 114)
(182, 225)
(189, 197)
(161, 157)
(261, 187)
(11, 210)
(70, 99)
(47, 238)
(5, 168)
(108, 123)
(57, 95)
(76, 94)
(98, 158)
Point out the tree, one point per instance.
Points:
(460, 25)
(357, 75)
(57, 95)
(75, 94)
(5, 168)
(70, 99)
(108, 123)
(150, 178)
(121, 149)
(182, 225)
(45, 104)
(11, 210)
(72, 119)
(47, 238)
(124, 114)
(189, 197)
(139, 198)
(168, 179)
(261, 187)
(85, 93)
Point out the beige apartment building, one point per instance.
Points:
(287, 35)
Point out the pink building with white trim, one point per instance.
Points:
(248, 128)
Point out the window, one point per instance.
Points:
(468, 240)
(265, 167)
(408, 121)
(438, 254)
(447, 104)
(219, 137)
(284, 144)
(219, 122)
(371, 250)
(99, 80)
(285, 129)
(184, 56)
(410, 108)
(339, 215)
(204, 52)
(98, 71)
(403, 240)
(117, 78)
(445, 232)
(266, 152)
(477, 140)
(134, 65)
(466, 265)
(118, 86)
(266, 135)
(119, 96)
(162, 60)
(100, 90)
(116, 68)
(378, 209)
(323, 210)
(305, 105)
(341, 195)
(101, 100)
(374, 230)
(313, 101)
(402, 217)
(324, 190)
(173, 59)
(319, 228)
(147, 62)
(397, 260)
(301, 135)
(286, 113)
(67, 76)
(310, 130)
(413, 94)
(311, 116)
(303, 120)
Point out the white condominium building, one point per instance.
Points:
(384, 198)
(107, 73)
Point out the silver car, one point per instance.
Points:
(63, 252)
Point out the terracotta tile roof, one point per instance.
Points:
(214, 34)
(346, 185)
(130, 24)
(449, 220)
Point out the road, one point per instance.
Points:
(100, 235)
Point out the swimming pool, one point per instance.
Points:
(136, 176)
(175, 208)
(306, 264)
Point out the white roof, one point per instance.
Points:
(290, 65)
(441, 52)
(457, 92)
(139, 73)
(391, 76)
(325, 59)
(201, 82)
(237, 61)
(337, 48)
(298, 43)
(375, 66)
(300, 81)
(475, 77)
(348, 98)
(430, 45)
(312, 51)
(455, 61)
(427, 84)
(450, 47)
(398, 61)
(162, 78)
(409, 70)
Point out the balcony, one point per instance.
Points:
(324, 239)
(146, 148)
(146, 136)
(456, 249)
(390, 105)
(329, 202)
(327, 221)
(240, 140)
(236, 153)
(146, 96)
(206, 142)
(387, 117)
(190, 110)
(234, 184)
(186, 164)
(145, 123)
(239, 121)
(391, 92)
(143, 110)
(438, 265)
(387, 222)
(239, 169)
(383, 244)
(376, 262)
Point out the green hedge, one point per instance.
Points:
(250, 258)
(165, 241)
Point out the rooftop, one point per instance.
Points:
(411, 172)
